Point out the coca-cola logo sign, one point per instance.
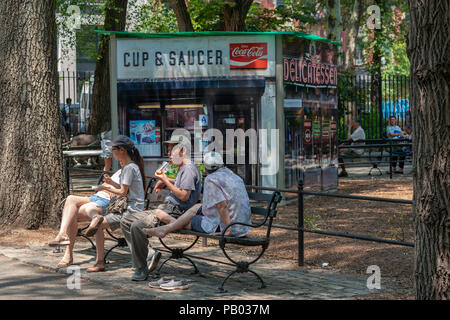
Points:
(248, 55)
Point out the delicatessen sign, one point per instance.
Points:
(301, 71)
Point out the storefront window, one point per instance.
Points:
(183, 116)
(144, 128)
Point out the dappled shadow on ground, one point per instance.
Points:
(366, 218)
(374, 219)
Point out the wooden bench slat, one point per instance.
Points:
(247, 241)
(260, 196)
(259, 211)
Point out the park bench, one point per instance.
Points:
(119, 241)
(376, 151)
(262, 216)
(263, 209)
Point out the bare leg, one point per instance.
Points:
(108, 164)
(164, 217)
(100, 243)
(71, 207)
(180, 223)
(68, 254)
(72, 227)
(69, 215)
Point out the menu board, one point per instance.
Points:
(146, 137)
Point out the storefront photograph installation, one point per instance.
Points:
(283, 82)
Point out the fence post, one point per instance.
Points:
(390, 159)
(300, 224)
(380, 104)
(67, 161)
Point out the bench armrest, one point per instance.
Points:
(222, 235)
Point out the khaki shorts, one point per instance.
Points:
(171, 209)
(113, 219)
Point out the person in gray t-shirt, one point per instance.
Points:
(188, 178)
(184, 190)
(184, 193)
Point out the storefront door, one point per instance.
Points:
(294, 147)
(235, 116)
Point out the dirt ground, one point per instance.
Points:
(344, 255)
(368, 218)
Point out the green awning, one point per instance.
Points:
(298, 34)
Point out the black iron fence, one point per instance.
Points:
(301, 218)
(373, 99)
(76, 86)
(300, 228)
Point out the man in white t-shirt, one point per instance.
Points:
(358, 134)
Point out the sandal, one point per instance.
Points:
(93, 226)
(60, 240)
(97, 267)
(64, 263)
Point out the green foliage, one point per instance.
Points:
(388, 42)
(399, 63)
(92, 11)
(154, 17)
(206, 15)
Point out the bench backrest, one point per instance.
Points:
(264, 209)
(266, 212)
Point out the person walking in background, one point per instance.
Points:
(106, 150)
(68, 115)
(62, 124)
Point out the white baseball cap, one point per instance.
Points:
(177, 139)
(212, 160)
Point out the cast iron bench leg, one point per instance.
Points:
(107, 253)
(80, 234)
(242, 267)
(196, 271)
(178, 253)
(375, 166)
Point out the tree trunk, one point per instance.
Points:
(352, 36)
(428, 47)
(334, 20)
(234, 14)
(31, 162)
(100, 113)
(183, 18)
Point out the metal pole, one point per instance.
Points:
(380, 104)
(300, 222)
(67, 160)
(390, 159)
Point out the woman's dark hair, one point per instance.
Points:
(135, 156)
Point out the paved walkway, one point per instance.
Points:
(21, 281)
(284, 280)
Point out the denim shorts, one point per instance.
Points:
(101, 202)
(196, 222)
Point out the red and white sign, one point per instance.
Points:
(248, 55)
